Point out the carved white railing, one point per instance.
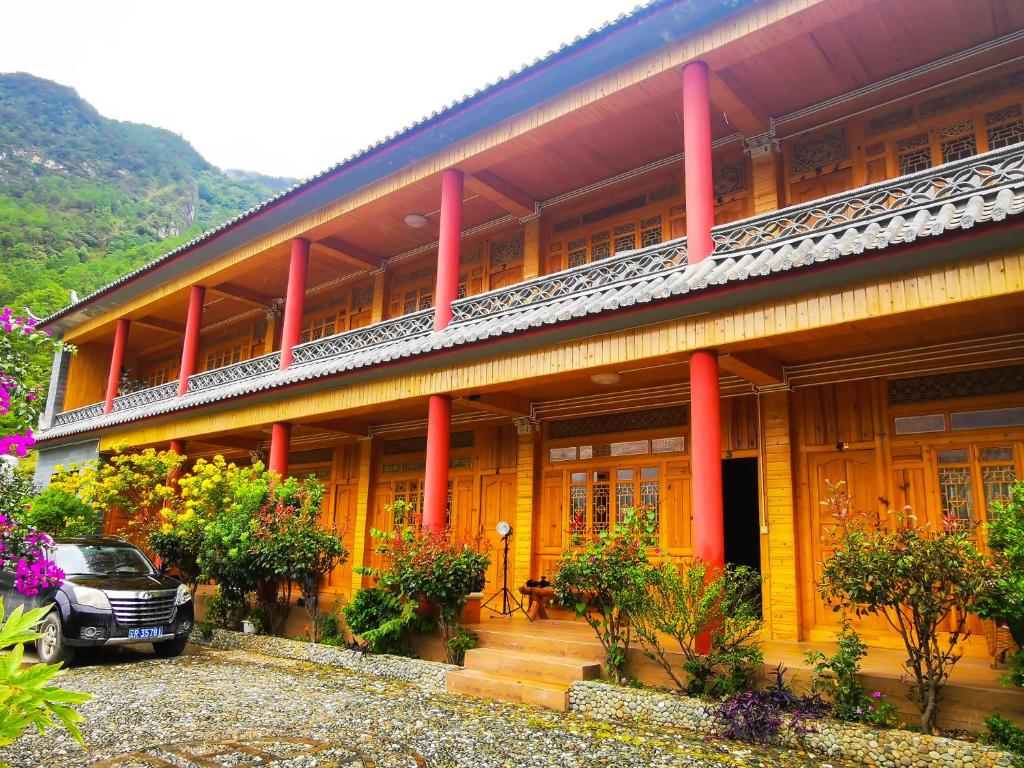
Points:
(85, 413)
(949, 183)
(230, 374)
(146, 396)
(405, 327)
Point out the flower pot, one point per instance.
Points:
(248, 627)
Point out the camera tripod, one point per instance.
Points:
(509, 602)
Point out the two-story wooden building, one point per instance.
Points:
(703, 258)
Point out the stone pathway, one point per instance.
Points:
(233, 709)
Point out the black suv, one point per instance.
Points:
(112, 595)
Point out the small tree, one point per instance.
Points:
(594, 573)
(434, 567)
(59, 513)
(292, 548)
(686, 603)
(923, 581)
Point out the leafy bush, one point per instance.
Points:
(1005, 599)
(1005, 734)
(457, 646)
(16, 490)
(434, 567)
(837, 679)
(693, 601)
(59, 513)
(224, 610)
(328, 627)
(26, 700)
(375, 615)
(595, 573)
(756, 716)
(923, 581)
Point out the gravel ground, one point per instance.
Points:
(213, 709)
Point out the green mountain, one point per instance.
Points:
(84, 199)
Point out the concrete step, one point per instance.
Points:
(577, 645)
(471, 682)
(531, 666)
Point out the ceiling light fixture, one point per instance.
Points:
(606, 378)
(416, 220)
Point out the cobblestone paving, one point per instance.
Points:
(221, 709)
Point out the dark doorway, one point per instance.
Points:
(742, 518)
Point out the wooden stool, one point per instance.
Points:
(537, 597)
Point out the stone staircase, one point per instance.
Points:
(527, 678)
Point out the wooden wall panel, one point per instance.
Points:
(87, 375)
(526, 507)
(739, 423)
(363, 506)
(836, 413)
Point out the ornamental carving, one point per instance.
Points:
(318, 456)
(654, 418)
(402, 328)
(1009, 83)
(508, 251)
(362, 295)
(949, 386)
(418, 444)
(821, 150)
(146, 396)
(230, 374)
(729, 179)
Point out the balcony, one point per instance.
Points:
(955, 196)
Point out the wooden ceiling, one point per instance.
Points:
(828, 50)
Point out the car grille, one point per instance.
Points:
(143, 612)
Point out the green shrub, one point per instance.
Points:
(1006, 735)
(431, 566)
(1005, 600)
(459, 644)
(837, 678)
(381, 619)
(59, 513)
(692, 602)
(328, 628)
(594, 573)
(27, 700)
(16, 490)
(224, 610)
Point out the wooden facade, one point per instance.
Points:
(896, 368)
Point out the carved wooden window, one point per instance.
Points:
(1004, 127)
(957, 141)
(651, 231)
(324, 324)
(825, 149)
(225, 353)
(159, 372)
(998, 473)
(955, 483)
(350, 307)
(914, 153)
(597, 497)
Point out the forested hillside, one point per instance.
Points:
(84, 199)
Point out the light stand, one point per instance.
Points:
(509, 603)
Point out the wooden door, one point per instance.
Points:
(857, 469)
(340, 517)
(497, 503)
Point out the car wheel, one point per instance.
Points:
(51, 647)
(168, 649)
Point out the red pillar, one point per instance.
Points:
(116, 362)
(177, 446)
(435, 485)
(448, 247)
(280, 437)
(295, 299)
(190, 347)
(700, 198)
(706, 458)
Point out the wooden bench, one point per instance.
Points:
(537, 599)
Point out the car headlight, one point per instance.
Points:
(94, 598)
(183, 596)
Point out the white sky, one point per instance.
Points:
(285, 88)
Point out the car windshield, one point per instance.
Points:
(100, 559)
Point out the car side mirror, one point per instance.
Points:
(164, 568)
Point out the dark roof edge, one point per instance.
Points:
(644, 29)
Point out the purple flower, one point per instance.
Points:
(877, 694)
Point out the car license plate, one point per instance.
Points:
(145, 633)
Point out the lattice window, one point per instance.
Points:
(600, 246)
(650, 492)
(160, 372)
(578, 503)
(914, 154)
(998, 473)
(318, 327)
(426, 301)
(1004, 127)
(625, 237)
(410, 491)
(222, 356)
(947, 386)
(601, 503)
(654, 418)
(651, 231)
(955, 483)
(625, 492)
(595, 495)
(577, 252)
(957, 141)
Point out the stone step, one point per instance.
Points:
(531, 666)
(578, 644)
(486, 685)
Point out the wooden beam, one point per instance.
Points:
(346, 253)
(238, 442)
(505, 405)
(352, 427)
(492, 187)
(243, 295)
(158, 324)
(759, 368)
(740, 108)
